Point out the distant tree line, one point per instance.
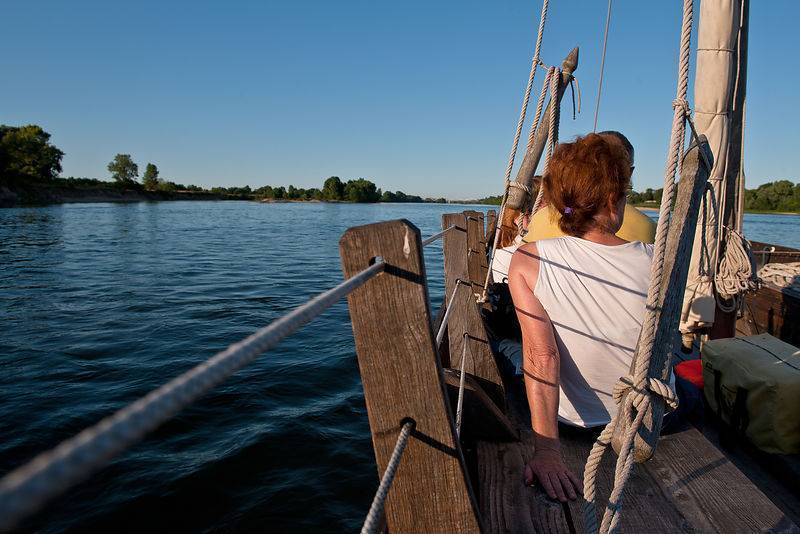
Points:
(781, 195)
(29, 160)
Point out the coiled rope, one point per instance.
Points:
(373, 520)
(782, 274)
(27, 488)
(640, 383)
(736, 272)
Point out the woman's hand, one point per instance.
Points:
(547, 466)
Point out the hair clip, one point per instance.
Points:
(567, 211)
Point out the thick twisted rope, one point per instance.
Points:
(640, 397)
(537, 116)
(515, 145)
(736, 272)
(554, 75)
(27, 488)
(373, 520)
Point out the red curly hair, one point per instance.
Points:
(583, 176)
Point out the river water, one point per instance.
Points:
(100, 303)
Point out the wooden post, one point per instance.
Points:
(680, 239)
(491, 227)
(527, 169)
(403, 380)
(465, 315)
(477, 262)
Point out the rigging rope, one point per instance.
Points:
(428, 240)
(552, 132)
(461, 382)
(641, 390)
(28, 487)
(373, 520)
(512, 156)
(602, 67)
(443, 326)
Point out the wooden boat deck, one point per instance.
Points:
(690, 485)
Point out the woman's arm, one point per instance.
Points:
(541, 366)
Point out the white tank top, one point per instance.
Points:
(595, 296)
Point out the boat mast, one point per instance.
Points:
(719, 96)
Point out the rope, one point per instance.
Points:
(27, 488)
(461, 382)
(736, 273)
(781, 274)
(554, 75)
(373, 520)
(428, 240)
(602, 67)
(443, 326)
(537, 117)
(512, 156)
(640, 398)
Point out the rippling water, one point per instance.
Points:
(100, 303)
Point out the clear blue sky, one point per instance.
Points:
(417, 95)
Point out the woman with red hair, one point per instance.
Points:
(580, 300)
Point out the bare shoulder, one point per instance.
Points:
(525, 264)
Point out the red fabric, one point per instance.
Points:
(692, 371)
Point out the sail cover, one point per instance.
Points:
(714, 87)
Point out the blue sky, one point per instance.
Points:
(417, 96)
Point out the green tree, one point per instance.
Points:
(150, 177)
(333, 189)
(27, 156)
(361, 190)
(123, 169)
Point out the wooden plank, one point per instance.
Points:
(688, 486)
(491, 227)
(465, 316)
(712, 494)
(403, 379)
(476, 250)
(454, 245)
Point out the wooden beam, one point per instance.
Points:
(491, 227)
(465, 316)
(477, 262)
(527, 169)
(695, 170)
(403, 379)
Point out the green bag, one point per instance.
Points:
(753, 384)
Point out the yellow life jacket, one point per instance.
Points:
(636, 226)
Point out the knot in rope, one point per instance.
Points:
(644, 389)
(683, 104)
(519, 185)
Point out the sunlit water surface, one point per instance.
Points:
(100, 303)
